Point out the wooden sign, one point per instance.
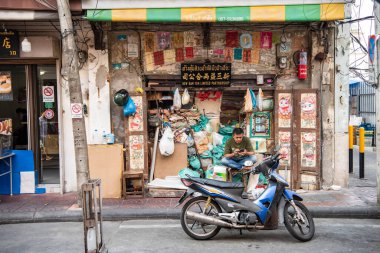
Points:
(208, 74)
(9, 44)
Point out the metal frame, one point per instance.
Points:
(10, 172)
(92, 214)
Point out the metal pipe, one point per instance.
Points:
(215, 221)
(361, 152)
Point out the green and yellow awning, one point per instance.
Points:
(279, 13)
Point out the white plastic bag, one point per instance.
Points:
(177, 100)
(260, 98)
(185, 97)
(217, 139)
(166, 145)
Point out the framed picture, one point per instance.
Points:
(260, 125)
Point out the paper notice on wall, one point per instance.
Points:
(158, 58)
(136, 121)
(284, 140)
(189, 52)
(179, 55)
(255, 56)
(247, 55)
(27, 184)
(266, 40)
(149, 42)
(178, 40)
(189, 39)
(169, 56)
(163, 40)
(232, 38)
(133, 51)
(284, 110)
(228, 54)
(308, 149)
(136, 152)
(256, 40)
(149, 61)
(308, 110)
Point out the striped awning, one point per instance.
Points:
(278, 13)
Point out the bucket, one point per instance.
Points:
(220, 173)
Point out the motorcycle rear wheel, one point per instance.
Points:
(301, 230)
(196, 229)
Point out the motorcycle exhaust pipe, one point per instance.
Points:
(207, 219)
(214, 221)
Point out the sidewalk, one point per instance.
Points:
(358, 201)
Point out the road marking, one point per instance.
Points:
(349, 225)
(151, 226)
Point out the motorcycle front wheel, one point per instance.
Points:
(302, 228)
(196, 229)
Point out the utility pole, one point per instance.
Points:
(70, 72)
(377, 76)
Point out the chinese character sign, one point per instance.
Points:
(9, 44)
(212, 74)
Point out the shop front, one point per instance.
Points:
(201, 72)
(29, 121)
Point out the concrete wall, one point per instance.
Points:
(95, 90)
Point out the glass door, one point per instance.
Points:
(47, 120)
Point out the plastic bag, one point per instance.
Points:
(166, 145)
(186, 171)
(260, 98)
(217, 139)
(177, 100)
(248, 101)
(129, 107)
(185, 97)
(194, 162)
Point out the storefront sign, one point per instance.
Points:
(212, 74)
(76, 111)
(47, 94)
(9, 44)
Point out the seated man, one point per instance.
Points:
(238, 150)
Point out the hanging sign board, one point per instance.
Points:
(208, 74)
(47, 94)
(76, 111)
(9, 44)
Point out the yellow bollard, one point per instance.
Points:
(361, 152)
(350, 148)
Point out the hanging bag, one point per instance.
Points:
(129, 108)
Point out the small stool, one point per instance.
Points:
(232, 172)
(131, 176)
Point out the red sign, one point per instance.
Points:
(49, 114)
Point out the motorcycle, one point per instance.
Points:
(218, 204)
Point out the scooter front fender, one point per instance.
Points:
(290, 195)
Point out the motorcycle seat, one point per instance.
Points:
(218, 184)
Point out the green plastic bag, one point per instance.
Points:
(186, 171)
(195, 163)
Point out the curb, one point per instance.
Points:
(170, 213)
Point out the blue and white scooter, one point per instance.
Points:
(217, 204)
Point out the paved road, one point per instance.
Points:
(143, 236)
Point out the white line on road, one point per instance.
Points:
(152, 226)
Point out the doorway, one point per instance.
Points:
(30, 102)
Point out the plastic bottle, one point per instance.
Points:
(104, 137)
(91, 239)
(95, 137)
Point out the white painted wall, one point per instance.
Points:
(98, 104)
